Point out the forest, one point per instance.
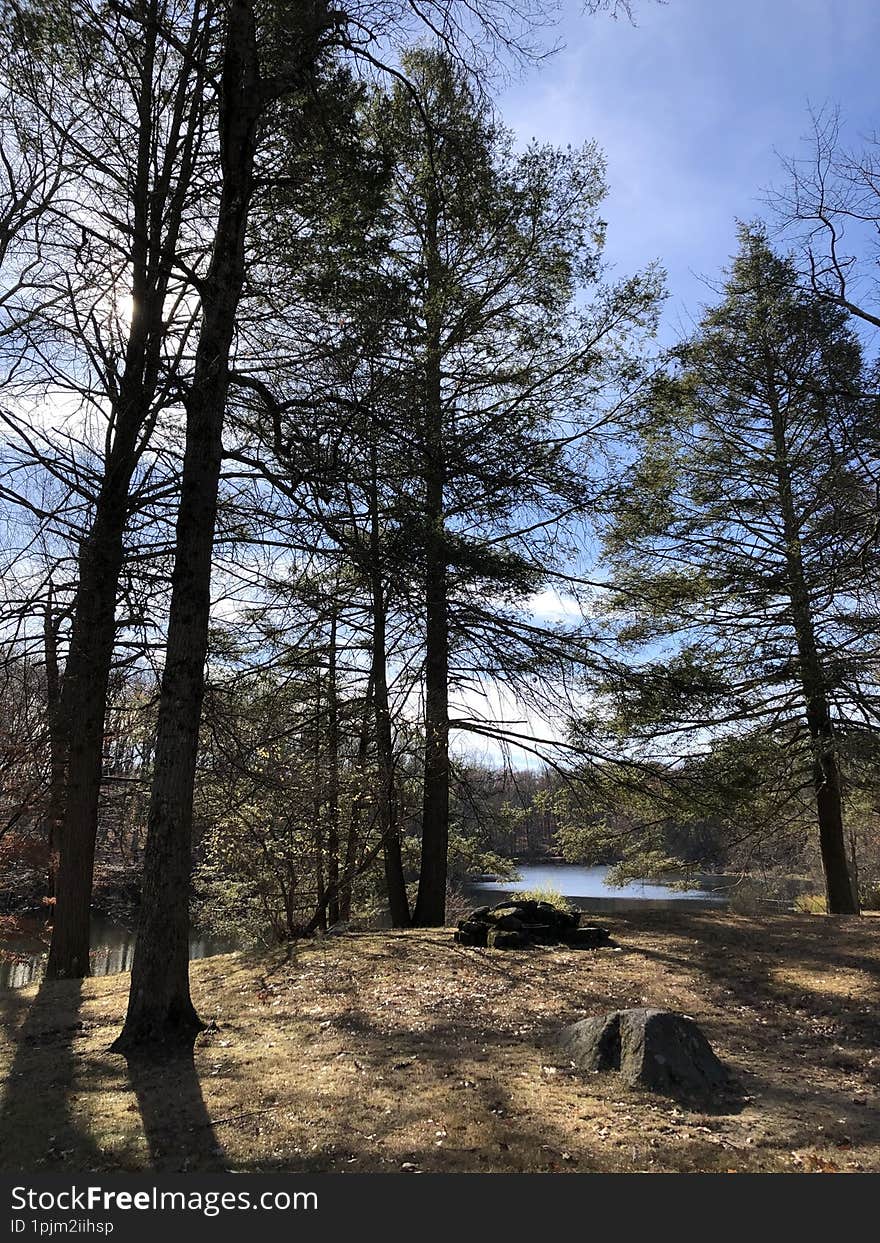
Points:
(365, 531)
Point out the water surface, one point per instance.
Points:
(23, 958)
(586, 888)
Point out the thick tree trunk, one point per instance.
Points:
(156, 215)
(93, 633)
(431, 902)
(161, 1017)
(395, 880)
(841, 894)
(82, 710)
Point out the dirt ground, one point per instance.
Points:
(403, 1052)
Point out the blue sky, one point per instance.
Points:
(691, 107)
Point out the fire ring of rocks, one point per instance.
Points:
(516, 925)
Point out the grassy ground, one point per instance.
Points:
(400, 1051)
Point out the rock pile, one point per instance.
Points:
(518, 924)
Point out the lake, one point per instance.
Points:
(585, 887)
(23, 958)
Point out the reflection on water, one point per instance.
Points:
(586, 888)
(22, 958)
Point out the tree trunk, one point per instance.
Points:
(841, 895)
(431, 903)
(319, 920)
(54, 817)
(354, 825)
(156, 217)
(82, 710)
(161, 1016)
(395, 880)
(332, 779)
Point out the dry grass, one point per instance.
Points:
(397, 1051)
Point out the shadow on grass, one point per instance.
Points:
(45, 1123)
(38, 1122)
(178, 1130)
(789, 966)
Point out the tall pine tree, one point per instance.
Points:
(740, 537)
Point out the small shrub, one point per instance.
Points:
(553, 896)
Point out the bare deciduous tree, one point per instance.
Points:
(832, 204)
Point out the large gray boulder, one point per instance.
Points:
(594, 1044)
(656, 1050)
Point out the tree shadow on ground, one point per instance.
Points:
(178, 1129)
(39, 1128)
(55, 1075)
(396, 1117)
(408, 1052)
(817, 974)
(801, 997)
